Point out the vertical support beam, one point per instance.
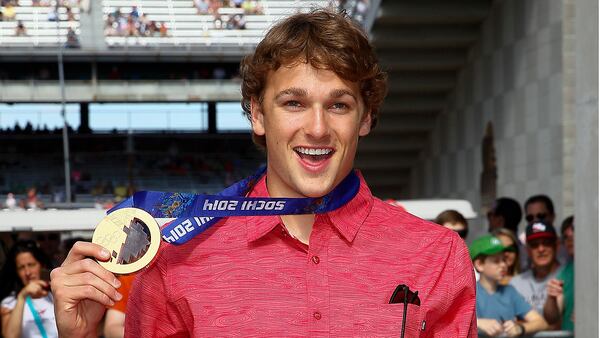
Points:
(212, 117)
(84, 118)
(586, 168)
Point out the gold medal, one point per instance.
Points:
(132, 236)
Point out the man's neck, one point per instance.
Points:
(299, 226)
(488, 284)
(541, 272)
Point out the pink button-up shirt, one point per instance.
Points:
(247, 277)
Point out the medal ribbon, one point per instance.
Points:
(195, 213)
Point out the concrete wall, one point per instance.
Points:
(514, 78)
(586, 168)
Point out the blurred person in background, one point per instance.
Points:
(542, 245)
(27, 307)
(49, 243)
(11, 201)
(560, 304)
(511, 253)
(32, 200)
(20, 29)
(454, 221)
(539, 208)
(500, 308)
(505, 213)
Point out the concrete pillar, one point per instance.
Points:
(586, 168)
(212, 118)
(84, 118)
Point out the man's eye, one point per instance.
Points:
(292, 104)
(339, 106)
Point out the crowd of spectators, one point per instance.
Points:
(524, 279)
(133, 23)
(235, 20)
(137, 23)
(8, 13)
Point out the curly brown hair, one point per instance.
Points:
(326, 40)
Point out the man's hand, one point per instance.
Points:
(554, 287)
(82, 289)
(490, 327)
(513, 329)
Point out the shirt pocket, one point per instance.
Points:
(385, 320)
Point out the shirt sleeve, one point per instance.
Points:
(521, 307)
(150, 313)
(9, 302)
(459, 319)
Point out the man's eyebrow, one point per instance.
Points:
(337, 93)
(292, 91)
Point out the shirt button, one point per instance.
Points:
(316, 259)
(317, 315)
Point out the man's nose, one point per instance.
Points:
(317, 125)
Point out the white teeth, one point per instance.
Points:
(312, 151)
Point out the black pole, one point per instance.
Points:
(212, 118)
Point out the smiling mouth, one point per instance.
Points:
(314, 155)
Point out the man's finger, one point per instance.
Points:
(83, 292)
(82, 250)
(90, 279)
(88, 265)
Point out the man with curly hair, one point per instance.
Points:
(311, 90)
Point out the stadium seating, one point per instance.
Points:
(188, 28)
(40, 32)
(208, 171)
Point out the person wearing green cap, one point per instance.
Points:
(500, 308)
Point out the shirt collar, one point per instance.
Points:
(347, 219)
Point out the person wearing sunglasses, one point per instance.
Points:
(542, 245)
(539, 208)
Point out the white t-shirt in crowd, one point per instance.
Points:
(45, 308)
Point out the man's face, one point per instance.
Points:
(493, 267)
(311, 120)
(536, 212)
(542, 251)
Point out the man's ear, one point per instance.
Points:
(478, 264)
(365, 125)
(258, 126)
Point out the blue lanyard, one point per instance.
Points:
(195, 213)
(36, 317)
